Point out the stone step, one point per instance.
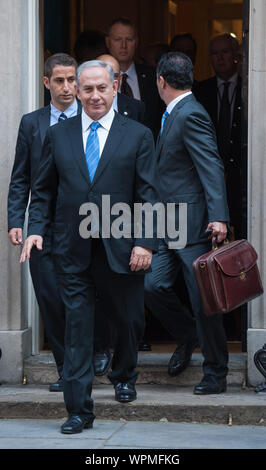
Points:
(238, 406)
(152, 368)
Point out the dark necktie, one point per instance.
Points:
(224, 125)
(62, 117)
(125, 88)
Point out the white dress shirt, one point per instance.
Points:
(132, 80)
(105, 121)
(172, 103)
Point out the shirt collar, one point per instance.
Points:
(105, 121)
(172, 104)
(69, 112)
(131, 71)
(232, 80)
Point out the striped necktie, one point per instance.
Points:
(164, 118)
(92, 153)
(224, 125)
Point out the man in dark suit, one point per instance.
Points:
(191, 172)
(138, 80)
(60, 79)
(98, 155)
(123, 104)
(133, 109)
(221, 97)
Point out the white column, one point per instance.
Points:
(19, 23)
(257, 174)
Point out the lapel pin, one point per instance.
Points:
(126, 113)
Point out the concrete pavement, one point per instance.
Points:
(107, 434)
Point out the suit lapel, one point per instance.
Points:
(75, 137)
(161, 139)
(122, 105)
(213, 109)
(112, 142)
(142, 80)
(44, 122)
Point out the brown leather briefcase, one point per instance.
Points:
(227, 276)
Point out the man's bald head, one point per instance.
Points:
(110, 60)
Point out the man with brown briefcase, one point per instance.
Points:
(191, 172)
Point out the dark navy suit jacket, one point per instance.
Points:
(126, 172)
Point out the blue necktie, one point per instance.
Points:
(92, 153)
(62, 117)
(165, 116)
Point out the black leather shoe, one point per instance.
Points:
(102, 362)
(181, 357)
(125, 392)
(143, 346)
(210, 385)
(76, 424)
(57, 386)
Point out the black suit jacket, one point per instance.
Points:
(235, 165)
(130, 107)
(126, 172)
(207, 96)
(150, 96)
(190, 168)
(31, 134)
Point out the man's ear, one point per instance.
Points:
(115, 86)
(77, 91)
(161, 82)
(46, 82)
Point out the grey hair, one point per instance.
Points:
(233, 41)
(94, 63)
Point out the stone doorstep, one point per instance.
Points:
(160, 397)
(152, 368)
(238, 406)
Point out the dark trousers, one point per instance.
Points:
(102, 328)
(51, 306)
(124, 294)
(162, 300)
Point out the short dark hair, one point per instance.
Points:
(60, 58)
(177, 70)
(92, 41)
(125, 22)
(183, 36)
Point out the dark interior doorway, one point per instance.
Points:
(157, 22)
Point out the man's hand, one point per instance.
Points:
(140, 258)
(30, 242)
(15, 236)
(219, 230)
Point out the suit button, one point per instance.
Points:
(234, 124)
(231, 141)
(232, 160)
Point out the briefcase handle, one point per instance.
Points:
(215, 243)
